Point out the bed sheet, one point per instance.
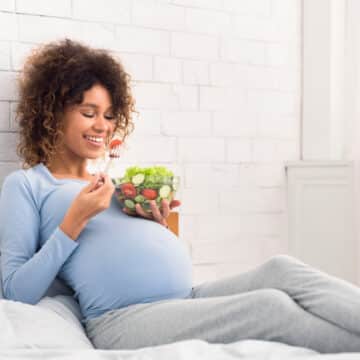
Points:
(185, 350)
(52, 330)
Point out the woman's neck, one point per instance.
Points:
(69, 171)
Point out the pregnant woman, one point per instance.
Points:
(130, 275)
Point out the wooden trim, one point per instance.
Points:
(173, 222)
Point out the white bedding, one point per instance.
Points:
(45, 326)
(52, 330)
(186, 350)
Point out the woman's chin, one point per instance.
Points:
(95, 156)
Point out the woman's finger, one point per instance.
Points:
(165, 209)
(174, 203)
(155, 210)
(141, 212)
(129, 212)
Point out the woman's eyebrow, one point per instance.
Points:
(93, 105)
(89, 104)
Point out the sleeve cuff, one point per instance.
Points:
(65, 244)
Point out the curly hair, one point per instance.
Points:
(56, 75)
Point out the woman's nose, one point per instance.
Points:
(101, 122)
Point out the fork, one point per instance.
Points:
(115, 150)
(114, 153)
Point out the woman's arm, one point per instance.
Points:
(27, 272)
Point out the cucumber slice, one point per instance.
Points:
(129, 204)
(164, 191)
(175, 183)
(138, 179)
(116, 181)
(139, 199)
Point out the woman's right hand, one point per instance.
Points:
(92, 199)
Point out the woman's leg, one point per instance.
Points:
(265, 314)
(320, 294)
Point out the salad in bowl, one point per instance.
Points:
(141, 185)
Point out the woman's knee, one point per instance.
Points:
(277, 302)
(280, 263)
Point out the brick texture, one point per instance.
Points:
(217, 87)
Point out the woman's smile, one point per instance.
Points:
(94, 141)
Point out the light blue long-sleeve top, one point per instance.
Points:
(116, 261)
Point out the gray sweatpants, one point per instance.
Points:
(281, 300)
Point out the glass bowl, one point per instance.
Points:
(141, 189)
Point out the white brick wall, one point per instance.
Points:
(43, 7)
(217, 84)
(7, 5)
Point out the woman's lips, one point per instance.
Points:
(94, 143)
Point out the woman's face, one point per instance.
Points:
(87, 125)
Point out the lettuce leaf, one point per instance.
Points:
(155, 176)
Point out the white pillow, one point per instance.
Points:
(65, 306)
(1, 289)
(24, 326)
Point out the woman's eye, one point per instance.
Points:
(91, 115)
(88, 115)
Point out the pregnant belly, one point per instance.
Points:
(128, 269)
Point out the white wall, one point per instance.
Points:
(217, 84)
(352, 78)
(331, 128)
(351, 121)
(331, 78)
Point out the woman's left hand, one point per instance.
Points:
(157, 214)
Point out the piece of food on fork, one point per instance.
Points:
(114, 153)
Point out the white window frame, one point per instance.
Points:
(323, 79)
